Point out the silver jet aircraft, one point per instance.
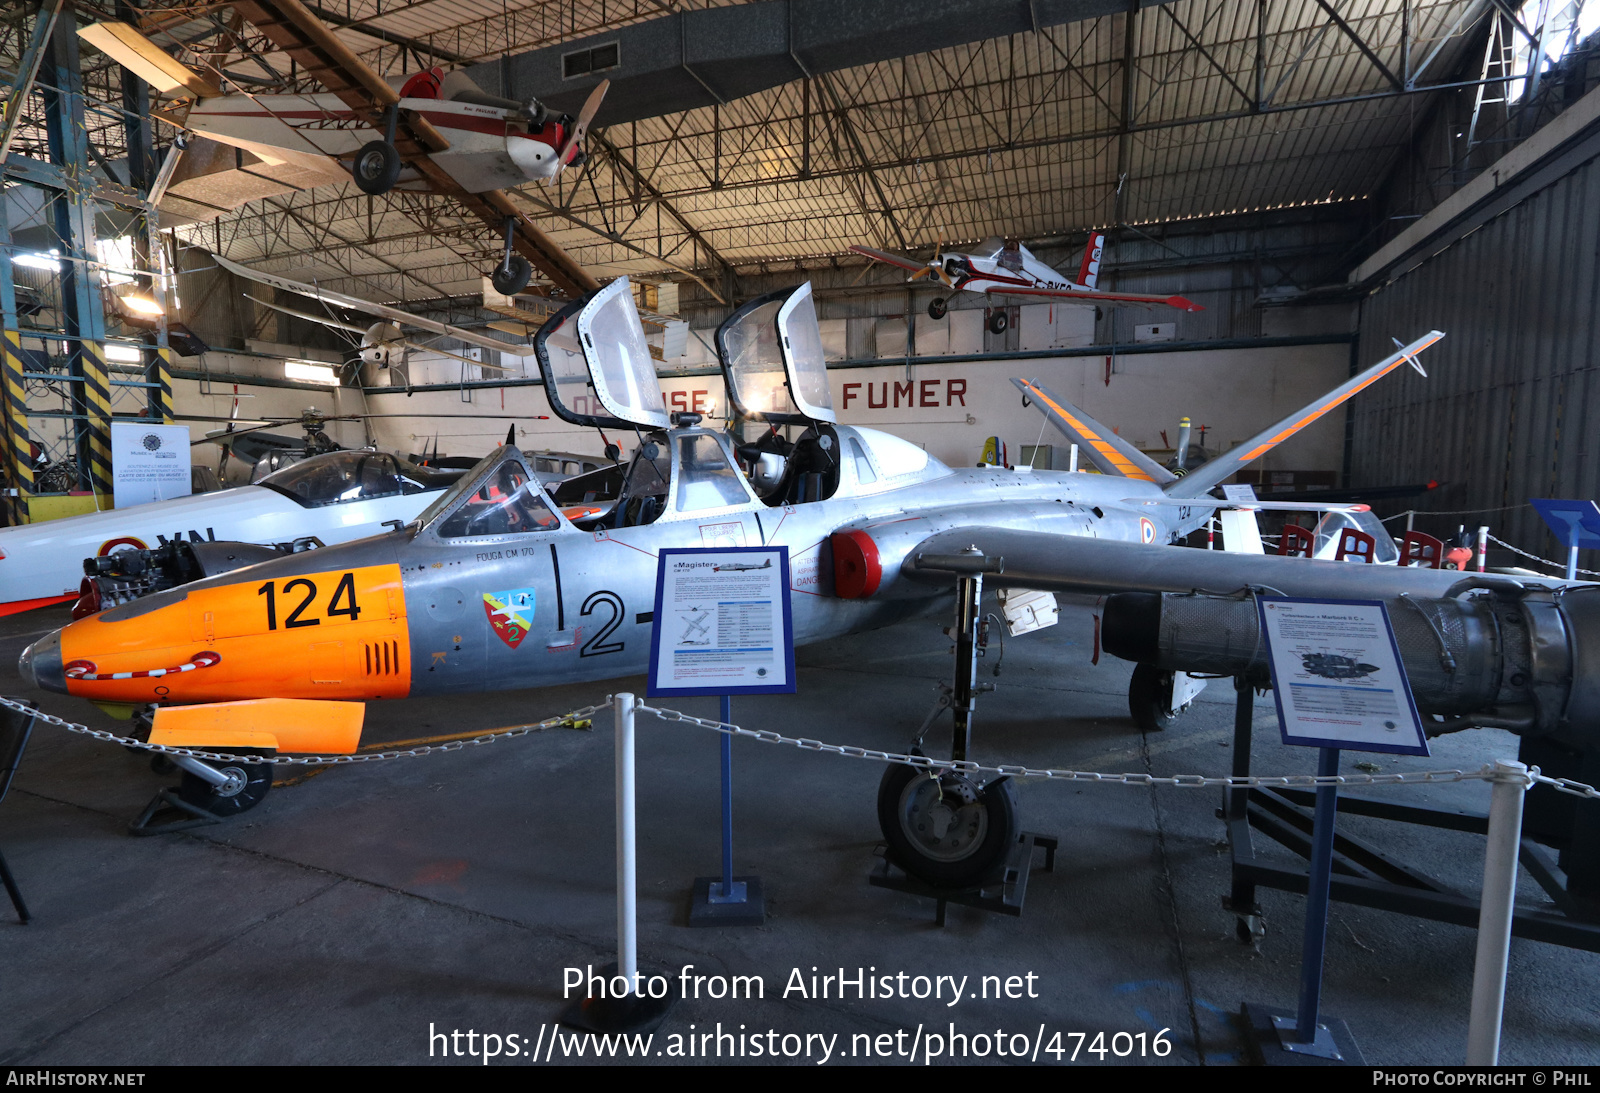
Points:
(494, 587)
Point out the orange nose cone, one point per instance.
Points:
(336, 635)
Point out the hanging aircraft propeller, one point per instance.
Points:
(591, 106)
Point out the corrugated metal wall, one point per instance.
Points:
(1508, 411)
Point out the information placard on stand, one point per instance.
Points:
(722, 622)
(1337, 676)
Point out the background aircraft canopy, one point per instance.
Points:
(620, 365)
(338, 477)
(801, 339)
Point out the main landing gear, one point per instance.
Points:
(377, 165)
(938, 307)
(946, 828)
(514, 271)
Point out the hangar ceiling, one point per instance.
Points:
(1137, 116)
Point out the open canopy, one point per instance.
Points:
(599, 345)
(771, 354)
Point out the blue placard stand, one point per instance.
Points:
(1328, 666)
(726, 900)
(1575, 524)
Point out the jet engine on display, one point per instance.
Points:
(877, 530)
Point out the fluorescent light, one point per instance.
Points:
(51, 261)
(311, 372)
(126, 354)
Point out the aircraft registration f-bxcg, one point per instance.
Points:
(1007, 268)
(494, 587)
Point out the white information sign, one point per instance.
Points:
(722, 622)
(149, 462)
(1337, 676)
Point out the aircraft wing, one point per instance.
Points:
(293, 28)
(1081, 564)
(1082, 296)
(1106, 450)
(890, 257)
(356, 303)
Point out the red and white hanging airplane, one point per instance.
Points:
(1007, 268)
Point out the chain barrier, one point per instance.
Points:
(569, 720)
(1543, 561)
(1448, 512)
(767, 736)
(1192, 781)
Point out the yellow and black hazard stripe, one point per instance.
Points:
(18, 455)
(162, 392)
(97, 399)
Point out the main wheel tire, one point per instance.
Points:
(511, 279)
(938, 308)
(377, 167)
(1149, 692)
(948, 831)
(248, 784)
(998, 322)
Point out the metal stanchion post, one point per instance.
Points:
(1495, 908)
(1483, 548)
(619, 999)
(627, 851)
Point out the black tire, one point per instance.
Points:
(377, 167)
(980, 830)
(998, 322)
(511, 279)
(1149, 692)
(938, 308)
(255, 779)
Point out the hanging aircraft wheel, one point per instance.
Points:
(377, 167)
(947, 831)
(511, 279)
(1150, 698)
(998, 321)
(247, 784)
(938, 308)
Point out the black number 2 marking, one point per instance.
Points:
(343, 601)
(294, 618)
(596, 645)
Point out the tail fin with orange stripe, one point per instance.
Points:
(1104, 448)
(1203, 478)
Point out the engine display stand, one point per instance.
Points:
(1003, 894)
(1366, 875)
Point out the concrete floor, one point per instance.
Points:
(349, 915)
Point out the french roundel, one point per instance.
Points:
(1147, 530)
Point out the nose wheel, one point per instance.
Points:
(938, 307)
(242, 786)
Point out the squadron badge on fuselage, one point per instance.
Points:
(510, 613)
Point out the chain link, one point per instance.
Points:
(569, 720)
(768, 736)
(1543, 561)
(1566, 785)
(1190, 781)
